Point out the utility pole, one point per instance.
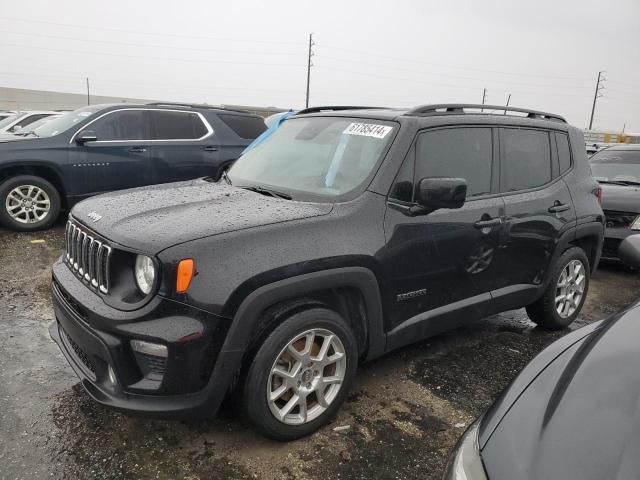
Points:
(508, 100)
(596, 95)
(88, 95)
(309, 65)
(484, 96)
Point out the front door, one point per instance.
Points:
(443, 261)
(118, 159)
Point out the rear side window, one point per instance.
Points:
(244, 126)
(121, 126)
(457, 152)
(526, 159)
(564, 153)
(176, 125)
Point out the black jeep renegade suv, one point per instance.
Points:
(348, 233)
(100, 148)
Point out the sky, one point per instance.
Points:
(545, 53)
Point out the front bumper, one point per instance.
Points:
(94, 338)
(613, 237)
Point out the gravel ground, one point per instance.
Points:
(403, 416)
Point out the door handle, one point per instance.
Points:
(559, 207)
(491, 222)
(210, 149)
(137, 149)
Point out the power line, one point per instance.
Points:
(147, 57)
(148, 45)
(508, 82)
(93, 28)
(414, 61)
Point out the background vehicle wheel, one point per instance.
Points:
(566, 293)
(28, 203)
(300, 374)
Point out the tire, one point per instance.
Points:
(546, 312)
(306, 384)
(28, 188)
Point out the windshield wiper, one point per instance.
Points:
(29, 133)
(620, 182)
(268, 191)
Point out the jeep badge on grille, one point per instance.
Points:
(95, 216)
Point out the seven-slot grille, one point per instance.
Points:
(87, 256)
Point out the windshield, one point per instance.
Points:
(616, 166)
(66, 121)
(31, 127)
(7, 121)
(319, 156)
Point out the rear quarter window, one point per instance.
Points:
(245, 127)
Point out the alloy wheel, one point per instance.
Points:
(306, 377)
(28, 204)
(570, 288)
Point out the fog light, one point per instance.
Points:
(112, 375)
(148, 348)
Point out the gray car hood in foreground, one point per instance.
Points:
(620, 198)
(580, 417)
(151, 219)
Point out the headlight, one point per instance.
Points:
(636, 223)
(145, 273)
(465, 462)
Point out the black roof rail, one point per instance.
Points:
(459, 108)
(336, 108)
(195, 105)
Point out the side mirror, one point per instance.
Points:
(436, 193)
(15, 129)
(86, 136)
(629, 251)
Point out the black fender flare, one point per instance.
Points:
(248, 314)
(246, 318)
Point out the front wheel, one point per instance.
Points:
(300, 375)
(28, 203)
(565, 295)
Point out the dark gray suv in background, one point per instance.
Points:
(100, 148)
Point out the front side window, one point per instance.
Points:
(526, 159)
(617, 166)
(315, 157)
(167, 125)
(457, 153)
(121, 125)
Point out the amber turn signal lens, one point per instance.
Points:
(186, 269)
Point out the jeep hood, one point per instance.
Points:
(151, 219)
(620, 198)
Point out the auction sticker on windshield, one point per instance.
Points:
(367, 130)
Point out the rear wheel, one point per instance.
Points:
(28, 203)
(300, 375)
(564, 297)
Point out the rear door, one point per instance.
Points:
(538, 204)
(120, 156)
(184, 146)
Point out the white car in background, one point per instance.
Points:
(20, 120)
(27, 131)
